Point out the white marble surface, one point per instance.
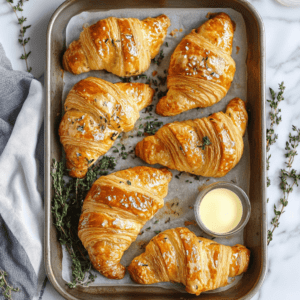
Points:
(282, 26)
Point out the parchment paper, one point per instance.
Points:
(179, 203)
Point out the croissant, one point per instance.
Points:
(96, 112)
(123, 47)
(115, 210)
(178, 255)
(201, 68)
(209, 147)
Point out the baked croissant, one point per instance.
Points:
(209, 147)
(96, 112)
(115, 210)
(123, 47)
(201, 68)
(178, 255)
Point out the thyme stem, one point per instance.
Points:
(66, 209)
(5, 287)
(287, 174)
(22, 40)
(275, 120)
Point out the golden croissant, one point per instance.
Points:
(178, 255)
(115, 210)
(209, 147)
(123, 46)
(96, 112)
(201, 68)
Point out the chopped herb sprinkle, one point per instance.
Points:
(152, 127)
(205, 142)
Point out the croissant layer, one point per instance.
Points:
(122, 46)
(201, 68)
(178, 255)
(96, 112)
(114, 211)
(209, 147)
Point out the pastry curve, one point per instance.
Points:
(178, 255)
(209, 147)
(114, 211)
(122, 46)
(96, 112)
(201, 68)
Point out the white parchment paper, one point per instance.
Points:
(178, 209)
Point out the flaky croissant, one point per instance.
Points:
(178, 255)
(96, 112)
(201, 68)
(115, 210)
(123, 47)
(208, 147)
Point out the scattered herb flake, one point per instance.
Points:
(205, 142)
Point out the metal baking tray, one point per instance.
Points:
(255, 233)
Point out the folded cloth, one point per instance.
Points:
(21, 182)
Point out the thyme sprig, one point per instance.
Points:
(289, 178)
(275, 120)
(5, 287)
(69, 194)
(205, 142)
(22, 39)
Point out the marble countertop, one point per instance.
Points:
(282, 27)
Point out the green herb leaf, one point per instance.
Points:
(205, 142)
(66, 209)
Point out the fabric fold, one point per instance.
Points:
(21, 205)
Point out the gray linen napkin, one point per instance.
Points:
(21, 180)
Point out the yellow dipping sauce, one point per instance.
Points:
(221, 210)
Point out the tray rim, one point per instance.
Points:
(47, 152)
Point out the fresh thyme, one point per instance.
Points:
(205, 142)
(289, 178)
(66, 209)
(157, 60)
(5, 287)
(22, 39)
(151, 127)
(275, 120)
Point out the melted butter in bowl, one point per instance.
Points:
(222, 209)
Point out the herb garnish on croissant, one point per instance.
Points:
(115, 210)
(201, 68)
(209, 147)
(178, 255)
(122, 46)
(96, 112)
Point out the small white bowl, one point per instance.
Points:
(245, 204)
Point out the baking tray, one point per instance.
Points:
(255, 233)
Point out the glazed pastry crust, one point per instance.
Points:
(122, 46)
(178, 255)
(178, 145)
(96, 111)
(115, 210)
(201, 68)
